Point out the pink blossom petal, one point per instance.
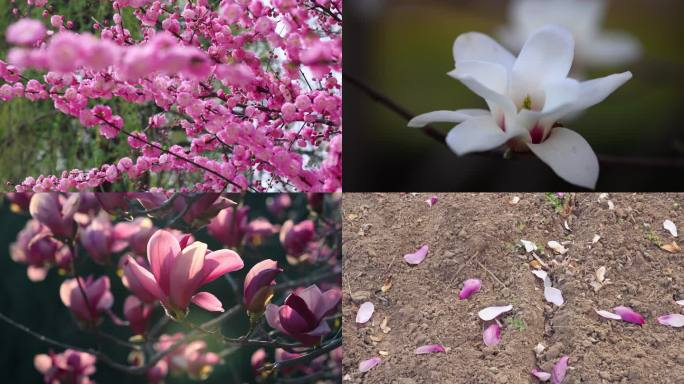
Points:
(491, 313)
(430, 348)
(629, 315)
(492, 334)
(470, 286)
(418, 256)
(431, 201)
(365, 312)
(608, 315)
(541, 375)
(673, 320)
(558, 372)
(369, 364)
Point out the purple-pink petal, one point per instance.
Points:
(558, 372)
(492, 334)
(369, 364)
(674, 320)
(629, 315)
(418, 256)
(541, 375)
(431, 201)
(430, 348)
(470, 286)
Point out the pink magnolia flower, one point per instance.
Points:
(100, 239)
(296, 237)
(55, 212)
(203, 208)
(25, 32)
(258, 230)
(87, 308)
(67, 367)
(138, 314)
(278, 204)
(34, 246)
(137, 233)
(191, 358)
(302, 315)
(229, 226)
(258, 286)
(258, 359)
(177, 273)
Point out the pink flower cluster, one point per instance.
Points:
(166, 270)
(254, 85)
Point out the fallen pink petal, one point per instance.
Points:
(430, 348)
(491, 313)
(418, 256)
(365, 312)
(629, 315)
(608, 315)
(558, 372)
(492, 335)
(369, 364)
(541, 375)
(431, 201)
(470, 286)
(674, 320)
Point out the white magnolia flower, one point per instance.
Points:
(594, 47)
(526, 98)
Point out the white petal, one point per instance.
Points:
(546, 57)
(673, 320)
(480, 47)
(491, 313)
(478, 134)
(557, 247)
(670, 226)
(595, 91)
(680, 302)
(540, 274)
(491, 75)
(365, 312)
(529, 245)
(608, 315)
(446, 117)
(610, 48)
(493, 98)
(570, 157)
(553, 295)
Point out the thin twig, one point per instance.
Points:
(491, 273)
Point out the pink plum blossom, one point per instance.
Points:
(177, 273)
(25, 32)
(258, 285)
(302, 316)
(67, 367)
(87, 299)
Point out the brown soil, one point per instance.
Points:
(477, 236)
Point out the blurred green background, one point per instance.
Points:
(36, 139)
(402, 48)
(38, 306)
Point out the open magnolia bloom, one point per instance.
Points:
(594, 47)
(527, 96)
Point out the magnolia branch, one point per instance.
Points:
(440, 136)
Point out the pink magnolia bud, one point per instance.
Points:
(258, 289)
(296, 238)
(138, 314)
(229, 226)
